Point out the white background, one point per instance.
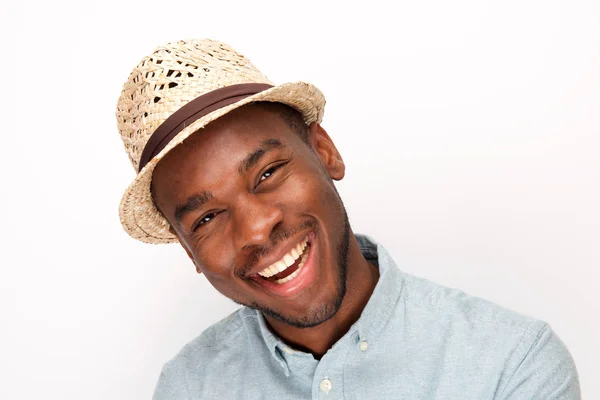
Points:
(470, 130)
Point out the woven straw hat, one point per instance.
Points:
(176, 91)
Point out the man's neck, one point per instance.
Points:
(360, 283)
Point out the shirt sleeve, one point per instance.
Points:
(546, 371)
(171, 384)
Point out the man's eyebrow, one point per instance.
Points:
(192, 203)
(251, 159)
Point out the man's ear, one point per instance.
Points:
(327, 152)
(189, 253)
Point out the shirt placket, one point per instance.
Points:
(328, 380)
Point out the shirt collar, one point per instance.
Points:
(276, 347)
(375, 315)
(382, 303)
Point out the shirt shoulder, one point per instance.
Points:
(197, 356)
(531, 360)
(212, 336)
(455, 304)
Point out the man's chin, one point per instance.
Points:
(308, 320)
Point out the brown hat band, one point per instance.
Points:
(194, 110)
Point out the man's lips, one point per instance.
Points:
(280, 259)
(303, 277)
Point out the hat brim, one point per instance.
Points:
(140, 218)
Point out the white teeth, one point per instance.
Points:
(280, 265)
(273, 270)
(286, 261)
(295, 273)
(289, 260)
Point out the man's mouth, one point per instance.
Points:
(289, 266)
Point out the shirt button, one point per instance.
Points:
(325, 385)
(363, 345)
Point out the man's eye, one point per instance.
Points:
(204, 220)
(267, 174)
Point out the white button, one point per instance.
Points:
(364, 345)
(325, 385)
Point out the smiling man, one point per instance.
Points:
(240, 173)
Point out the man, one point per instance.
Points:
(240, 173)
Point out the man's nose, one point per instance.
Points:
(255, 219)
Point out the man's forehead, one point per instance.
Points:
(244, 127)
(238, 130)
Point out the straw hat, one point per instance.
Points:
(176, 91)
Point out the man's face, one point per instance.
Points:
(256, 210)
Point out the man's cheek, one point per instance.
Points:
(307, 190)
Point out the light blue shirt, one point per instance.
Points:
(414, 340)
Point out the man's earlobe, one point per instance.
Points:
(327, 152)
(189, 253)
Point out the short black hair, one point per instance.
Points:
(291, 116)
